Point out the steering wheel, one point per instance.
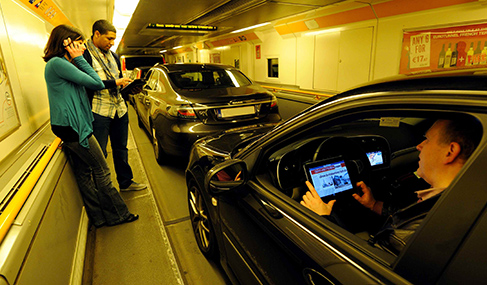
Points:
(350, 150)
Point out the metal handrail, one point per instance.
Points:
(317, 95)
(13, 208)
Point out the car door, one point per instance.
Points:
(273, 239)
(260, 222)
(145, 98)
(270, 241)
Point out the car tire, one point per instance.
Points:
(156, 145)
(201, 222)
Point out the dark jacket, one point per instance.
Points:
(401, 226)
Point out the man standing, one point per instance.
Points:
(108, 106)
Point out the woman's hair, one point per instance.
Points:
(55, 44)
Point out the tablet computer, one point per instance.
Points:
(133, 87)
(330, 177)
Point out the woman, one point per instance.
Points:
(67, 74)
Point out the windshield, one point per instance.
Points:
(133, 62)
(207, 79)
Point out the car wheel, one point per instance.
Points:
(158, 152)
(201, 223)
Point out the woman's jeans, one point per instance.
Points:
(102, 201)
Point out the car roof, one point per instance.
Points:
(466, 80)
(192, 66)
(143, 67)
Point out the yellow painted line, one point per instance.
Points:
(8, 216)
(298, 91)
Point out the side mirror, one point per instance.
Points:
(226, 176)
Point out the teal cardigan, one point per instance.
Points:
(68, 101)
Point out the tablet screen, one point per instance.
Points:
(329, 177)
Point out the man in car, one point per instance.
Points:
(447, 146)
(108, 106)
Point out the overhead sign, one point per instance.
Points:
(444, 49)
(181, 27)
(235, 40)
(48, 11)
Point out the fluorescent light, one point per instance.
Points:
(177, 47)
(123, 10)
(232, 77)
(126, 7)
(323, 32)
(163, 51)
(250, 28)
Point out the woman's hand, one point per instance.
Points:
(74, 48)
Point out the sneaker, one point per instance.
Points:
(134, 187)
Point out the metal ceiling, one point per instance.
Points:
(227, 15)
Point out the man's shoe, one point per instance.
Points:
(134, 187)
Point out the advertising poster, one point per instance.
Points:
(215, 58)
(9, 119)
(48, 10)
(444, 49)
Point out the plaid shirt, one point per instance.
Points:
(105, 104)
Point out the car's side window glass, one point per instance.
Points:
(365, 170)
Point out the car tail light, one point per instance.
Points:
(139, 74)
(124, 66)
(181, 111)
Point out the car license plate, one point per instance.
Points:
(234, 112)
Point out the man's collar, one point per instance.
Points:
(428, 193)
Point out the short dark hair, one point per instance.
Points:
(55, 44)
(103, 26)
(466, 131)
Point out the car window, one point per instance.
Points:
(133, 62)
(380, 150)
(207, 79)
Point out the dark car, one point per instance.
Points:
(130, 62)
(181, 103)
(245, 188)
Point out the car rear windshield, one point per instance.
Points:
(133, 62)
(207, 79)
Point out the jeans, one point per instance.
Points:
(102, 201)
(117, 128)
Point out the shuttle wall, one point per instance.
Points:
(46, 242)
(343, 56)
